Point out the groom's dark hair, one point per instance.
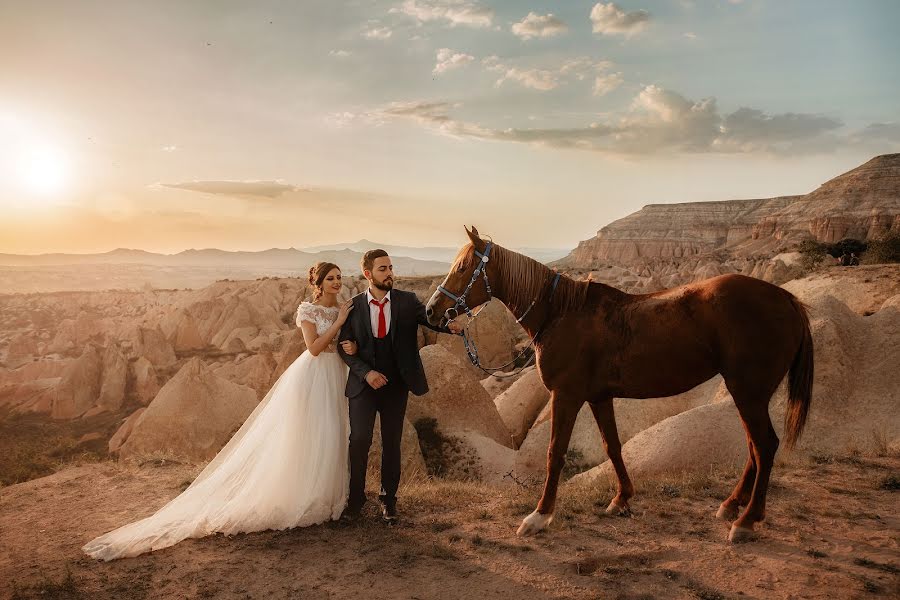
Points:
(368, 259)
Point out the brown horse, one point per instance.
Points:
(595, 343)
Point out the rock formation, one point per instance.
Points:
(456, 399)
(252, 371)
(191, 418)
(520, 405)
(80, 386)
(863, 203)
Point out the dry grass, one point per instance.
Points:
(67, 588)
(815, 543)
(34, 446)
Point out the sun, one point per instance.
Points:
(43, 169)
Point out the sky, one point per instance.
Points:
(171, 125)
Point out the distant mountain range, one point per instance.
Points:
(407, 260)
(264, 261)
(434, 253)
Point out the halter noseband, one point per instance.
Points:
(460, 301)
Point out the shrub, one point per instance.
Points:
(846, 246)
(884, 250)
(812, 253)
(445, 456)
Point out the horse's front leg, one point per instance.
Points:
(564, 410)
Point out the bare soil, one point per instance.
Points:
(832, 531)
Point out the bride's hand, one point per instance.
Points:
(349, 347)
(345, 311)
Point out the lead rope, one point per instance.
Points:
(472, 351)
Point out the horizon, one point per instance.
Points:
(305, 250)
(247, 128)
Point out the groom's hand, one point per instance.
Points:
(376, 379)
(455, 327)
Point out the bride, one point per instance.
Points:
(287, 464)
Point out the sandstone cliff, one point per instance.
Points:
(863, 203)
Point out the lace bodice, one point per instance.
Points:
(322, 317)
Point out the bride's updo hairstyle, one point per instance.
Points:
(317, 274)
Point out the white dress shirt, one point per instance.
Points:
(374, 311)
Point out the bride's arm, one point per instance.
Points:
(316, 343)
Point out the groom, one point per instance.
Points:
(386, 367)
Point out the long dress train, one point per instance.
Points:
(285, 467)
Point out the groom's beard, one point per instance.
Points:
(386, 285)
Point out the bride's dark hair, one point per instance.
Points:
(317, 274)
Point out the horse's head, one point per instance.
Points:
(462, 289)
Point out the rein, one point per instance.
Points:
(460, 302)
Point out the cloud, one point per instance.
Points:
(339, 53)
(659, 122)
(690, 35)
(611, 19)
(539, 26)
(447, 60)
(545, 79)
(171, 148)
(754, 128)
(456, 12)
(260, 189)
(583, 67)
(604, 84)
(537, 79)
(378, 33)
(879, 132)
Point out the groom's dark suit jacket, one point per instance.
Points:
(407, 313)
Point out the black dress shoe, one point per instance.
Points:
(389, 511)
(351, 514)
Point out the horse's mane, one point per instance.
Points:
(527, 279)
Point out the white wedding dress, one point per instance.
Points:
(285, 467)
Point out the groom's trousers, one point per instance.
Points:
(390, 403)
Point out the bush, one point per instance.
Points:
(885, 250)
(812, 253)
(445, 456)
(846, 246)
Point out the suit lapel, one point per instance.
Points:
(366, 316)
(394, 310)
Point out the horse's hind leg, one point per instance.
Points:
(604, 414)
(754, 411)
(563, 411)
(728, 510)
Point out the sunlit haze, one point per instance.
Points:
(173, 125)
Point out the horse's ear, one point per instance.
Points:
(473, 235)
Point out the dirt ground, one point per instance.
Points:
(832, 531)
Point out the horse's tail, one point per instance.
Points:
(800, 381)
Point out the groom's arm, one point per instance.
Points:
(358, 366)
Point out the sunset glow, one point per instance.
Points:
(43, 169)
(229, 126)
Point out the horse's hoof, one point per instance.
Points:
(738, 535)
(616, 509)
(727, 512)
(534, 523)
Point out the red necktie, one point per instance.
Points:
(382, 324)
